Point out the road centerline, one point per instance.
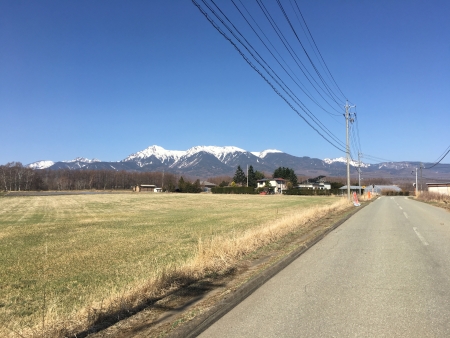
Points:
(422, 239)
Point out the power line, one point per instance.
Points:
(292, 52)
(297, 101)
(304, 90)
(304, 50)
(448, 151)
(306, 25)
(214, 24)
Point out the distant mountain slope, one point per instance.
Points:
(208, 161)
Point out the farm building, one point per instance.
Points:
(145, 187)
(440, 188)
(279, 184)
(374, 189)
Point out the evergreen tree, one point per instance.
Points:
(196, 187)
(251, 177)
(181, 184)
(293, 178)
(239, 176)
(259, 175)
(287, 174)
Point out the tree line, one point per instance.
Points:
(16, 177)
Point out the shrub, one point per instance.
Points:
(233, 190)
(307, 192)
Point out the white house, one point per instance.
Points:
(440, 188)
(315, 185)
(278, 184)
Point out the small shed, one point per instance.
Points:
(144, 187)
(440, 188)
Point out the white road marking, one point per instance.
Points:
(392, 198)
(420, 237)
(406, 215)
(400, 207)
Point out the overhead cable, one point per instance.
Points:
(329, 72)
(282, 85)
(292, 52)
(214, 24)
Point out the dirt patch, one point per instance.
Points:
(176, 314)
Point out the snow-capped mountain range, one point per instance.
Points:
(344, 160)
(208, 161)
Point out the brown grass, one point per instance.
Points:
(215, 252)
(434, 197)
(214, 256)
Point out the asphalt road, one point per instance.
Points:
(383, 273)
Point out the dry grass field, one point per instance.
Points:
(60, 255)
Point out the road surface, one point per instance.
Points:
(383, 273)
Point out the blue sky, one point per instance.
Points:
(105, 79)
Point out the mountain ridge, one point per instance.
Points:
(208, 161)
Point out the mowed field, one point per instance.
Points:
(59, 254)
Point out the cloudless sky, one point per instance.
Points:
(105, 79)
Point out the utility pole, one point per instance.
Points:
(417, 187)
(247, 175)
(347, 119)
(359, 172)
(421, 180)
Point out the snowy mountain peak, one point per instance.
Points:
(219, 152)
(41, 164)
(264, 153)
(157, 151)
(344, 160)
(82, 159)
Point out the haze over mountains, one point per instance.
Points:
(208, 161)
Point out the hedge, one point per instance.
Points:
(394, 193)
(307, 192)
(233, 190)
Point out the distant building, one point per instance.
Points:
(317, 183)
(206, 186)
(373, 188)
(440, 188)
(145, 187)
(278, 184)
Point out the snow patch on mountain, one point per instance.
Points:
(83, 160)
(219, 152)
(264, 153)
(344, 160)
(40, 164)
